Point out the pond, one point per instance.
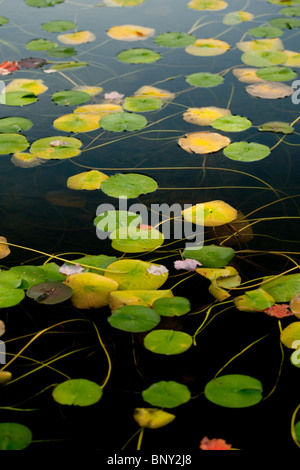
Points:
(149, 183)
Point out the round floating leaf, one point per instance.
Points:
(234, 391)
(231, 123)
(119, 122)
(170, 307)
(52, 272)
(276, 126)
(133, 274)
(10, 297)
(141, 104)
(128, 185)
(69, 98)
(285, 23)
(118, 298)
(61, 52)
(91, 90)
(14, 436)
(166, 394)
(246, 151)
(290, 335)
(207, 4)
(9, 279)
(78, 392)
(174, 39)
(109, 221)
(290, 11)
(56, 147)
(77, 122)
(203, 142)
(136, 240)
(43, 3)
(154, 92)
(25, 160)
(270, 90)
(276, 74)
(15, 124)
(32, 63)
(10, 143)
(29, 275)
(211, 256)
(265, 32)
(68, 65)
(99, 109)
(246, 75)
(152, 418)
(210, 214)
(79, 37)
(134, 318)
(90, 290)
(4, 251)
(204, 79)
(264, 58)
(17, 98)
(168, 342)
(207, 47)
(3, 20)
(130, 32)
(24, 84)
(204, 116)
(293, 59)
(40, 45)
(50, 293)
(88, 180)
(58, 26)
(261, 45)
(283, 288)
(236, 17)
(138, 56)
(5, 377)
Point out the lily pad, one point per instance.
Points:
(9, 297)
(283, 288)
(254, 300)
(203, 142)
(231, 123)
(134, 318)
(204, 79)
(40, 45)
(265, 32)
(95, 263)
(236, 17)
(52, 272)
(130, 185)
(78, 392)
(152, 418)
(290, 11)
(174, 39)
(56, 147)
(207, 4)
(109, 221)
(210, 256)
(10, 143)
(207, 47)
(17, 98)
(247, 75)
(118, 298)
(9, 279)
(264, 58)
(138, 56)
(61, 52)
(69, 98)
(136, 240)
(168, 342)
(129, 32)
(276, 126)
(29, 275)
(90, 290)
(3, 20)
(154, 92)
(43, 3)
(133, 274)
(25, 84)
(290, 335)
(234, 391)
(204, 116)
(50, 293)
(77, 122)
(285, 23)
(88, 180)
(276, 74)
(140, 105)
(170, 307)
(119, 122)
(78, 37)
(14, 436)
(15, 124)
(270, 90)
(210, 214)
(246, 151)
(167, 394)
(25, 160)
(58, 26)
(4, 251)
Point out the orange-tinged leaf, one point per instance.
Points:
(88, 180)
(203, 142)
(130, 32)
(214, 444)
(79, 37)
(207, 47)
(153, 92)
(270, 90)
(210, 214)
(4, 249)
(25, 84)
(204, 116)
(247, 75)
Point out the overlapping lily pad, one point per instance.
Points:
(174, 39)
(204, 116)
(40, 44)
(130, 185)
(207, 47)
(79, 37)
(90, 290)
(112, 220)
(17, 98)
(276, 74)
(264, 58)
(136, 239)
(134, 274)
(26, 85)
(211, 256)
(9, 297)
(285, 23)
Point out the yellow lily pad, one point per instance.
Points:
(210, 214)
(130, 32)
(247, 75)
(152, 418)
(207, 47)
(87, 180)
(79, 37)
(134, 274)
(293, 59)
(207, 4)
(25, 84)
(90, 290)
(4, 249)
(119, 298)
(268, 44)
(91, 90)
(99, 109)
(203, 142)
(269, 90)
(290, 336)
(153, 92)
(25, 160)
(204, 116)
(77, 122)
(295, 305)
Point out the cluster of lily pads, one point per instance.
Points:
(131, 288)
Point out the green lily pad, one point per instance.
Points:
(128, 185)
(69, 98)
(29, 275)
(231, 123)
(58, 26)
(286, 2)
(11, 143)
(174, 39)
(52, 272)
(204, 79)
(290, 11)
(168, 342)
(109, 221)
(264, 58)
(297, 431)
(234, 391)
(10, 297)
(120, 298)
(9, 279)
(17, 98)
(170, 307)
(276, 74)
(14, 436)
(210, 256)
(68, 65)
(254, 301)
(3, 20)
(285, 23)
(56, 147)
(134, 318)
(15, 124)
(291, 334)
(43, 3)
(265, 32)
(166, 394)
(283, 288)
(246, 151)
(61, 52)
(138, 56)
(136, 240)
(134, 274)
(118, 122)
(78, 392)
(50, 293)
(40, 45)
(237, 17)
(92, 262)
(276, 126)
(140, 104)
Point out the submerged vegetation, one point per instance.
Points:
(127, 324)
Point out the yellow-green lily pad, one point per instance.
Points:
(77, 122)
(78, 392)
(56, 147)
(10, 143)
(88, 180)
(133, 274)
(90, 290)
(210, 214)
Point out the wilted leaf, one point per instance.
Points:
(246, 75)
(270, 90)
(214, 444)
(203, 142)
(4, 248)
(152, 418)
(204, 116)
(257, 45)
